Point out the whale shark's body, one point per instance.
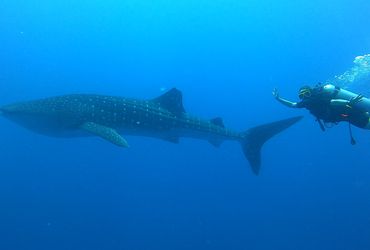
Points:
(109, 117)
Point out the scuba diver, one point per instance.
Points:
(331, 104)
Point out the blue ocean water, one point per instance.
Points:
(226, 57)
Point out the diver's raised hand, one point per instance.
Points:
(275, 93)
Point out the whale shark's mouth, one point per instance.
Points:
(2, 109)
(7, 109)
(43, 125)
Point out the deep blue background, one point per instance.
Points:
(226, 56)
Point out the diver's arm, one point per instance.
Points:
(346, 103)
(339, 103)
(287, 103)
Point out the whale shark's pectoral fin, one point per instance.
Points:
(172, 139)
(215, 142)
(104, 132)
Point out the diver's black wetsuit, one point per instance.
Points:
(320, 106)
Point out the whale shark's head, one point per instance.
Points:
(32, 116)
(9, 111)
(25, 117)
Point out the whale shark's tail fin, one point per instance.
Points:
(254, 138)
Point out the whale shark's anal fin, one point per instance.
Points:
(104, 132)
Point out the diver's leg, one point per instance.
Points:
(366, 121)
(360, 120)
(367, 125)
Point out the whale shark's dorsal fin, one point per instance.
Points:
(172, 101)
(218, 121)
(104, 132)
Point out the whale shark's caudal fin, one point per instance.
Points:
(254, 139)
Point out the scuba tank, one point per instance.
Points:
(339, 93)
(334, 92)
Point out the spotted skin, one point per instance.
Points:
(122, 114)
(109, 116)
(105, 132)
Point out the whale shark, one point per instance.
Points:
(110, 117)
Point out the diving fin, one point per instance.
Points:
(104, 132)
